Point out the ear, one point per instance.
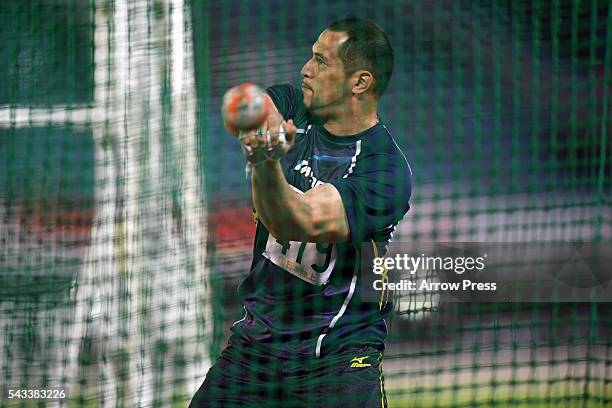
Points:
(362, 81)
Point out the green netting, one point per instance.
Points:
(125, 216)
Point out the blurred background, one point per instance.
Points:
(125, 215)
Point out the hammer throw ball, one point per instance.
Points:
(244, 107)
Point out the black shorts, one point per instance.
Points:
(241, 379)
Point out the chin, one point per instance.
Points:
(307, 103)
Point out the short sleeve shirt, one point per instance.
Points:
(302, 298)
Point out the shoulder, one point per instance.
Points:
(284, 94)
(289, 101)
(282, 89)
(379, 149)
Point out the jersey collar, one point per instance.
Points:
(329, 137)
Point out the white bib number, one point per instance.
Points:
(308, 261)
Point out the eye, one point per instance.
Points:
(319, 60)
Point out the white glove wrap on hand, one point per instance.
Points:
(266, 149)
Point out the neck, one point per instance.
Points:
(352, 121)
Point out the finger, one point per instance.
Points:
(290, 131)
(277, 134)
(269, 140)
(290, 127)
(248, 138)
(263, 134)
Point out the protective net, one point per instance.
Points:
(126, 220)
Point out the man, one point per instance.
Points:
(323, 199)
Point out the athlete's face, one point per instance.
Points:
(325, 86)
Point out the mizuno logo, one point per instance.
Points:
(304, 168)
(357, 362)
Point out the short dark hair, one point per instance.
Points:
(367, 47)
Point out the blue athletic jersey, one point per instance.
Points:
(304, 299)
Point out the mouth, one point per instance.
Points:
(304, 86)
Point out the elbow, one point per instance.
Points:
(299, 226)
(284, 231)
(309, 231)
(311, 225)
(292, 232)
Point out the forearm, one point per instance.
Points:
(316, 216)
(279, 207)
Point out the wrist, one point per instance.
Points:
(265, 163)
(268, 175)
(265, 166)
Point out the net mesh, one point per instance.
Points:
(125, 217)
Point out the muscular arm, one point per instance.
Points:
(316, 216)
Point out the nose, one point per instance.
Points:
(306, 71)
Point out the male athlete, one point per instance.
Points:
(323, 199)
